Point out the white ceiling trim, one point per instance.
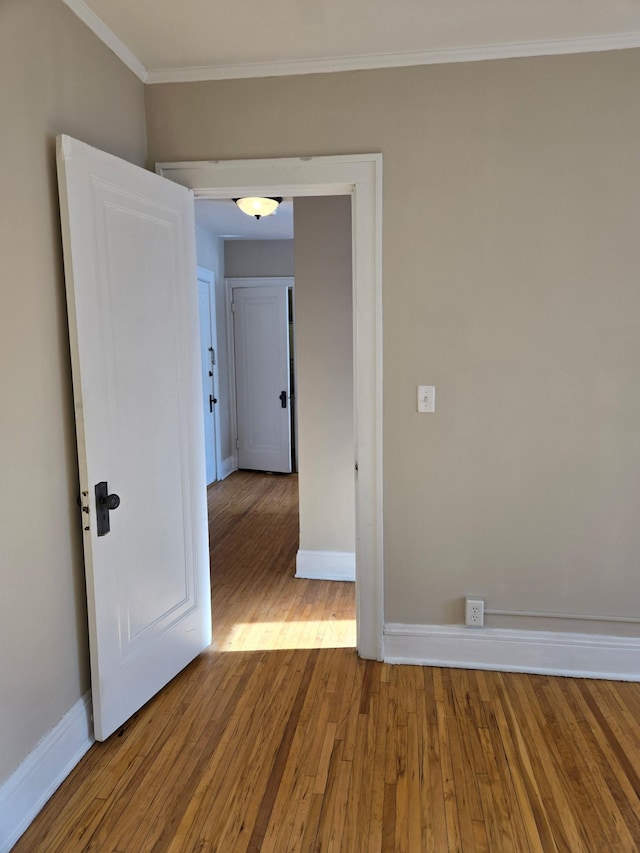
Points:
(98, 26)
(476, 53)
(394, 60)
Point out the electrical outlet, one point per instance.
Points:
(474, 612)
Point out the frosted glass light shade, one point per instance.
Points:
(254, 206)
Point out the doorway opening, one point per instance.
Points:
(258, 342)
(360, 177)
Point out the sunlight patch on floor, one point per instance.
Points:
(260, 636)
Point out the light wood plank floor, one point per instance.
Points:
(262, 746)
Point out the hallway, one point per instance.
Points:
(257, 601)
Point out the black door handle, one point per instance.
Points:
(112, 501)
(283, 399)
(104, 503)
(212, 400)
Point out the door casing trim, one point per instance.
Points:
(360, 176)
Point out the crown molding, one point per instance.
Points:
(366, 62)
(394, 60)
(108, 37)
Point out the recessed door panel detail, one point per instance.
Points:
(132, 296)
(261, 334)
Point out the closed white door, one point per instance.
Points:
(261, 340)
(129, 250)
(209, 366)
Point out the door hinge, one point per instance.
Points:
(233, 307)
(237, 444)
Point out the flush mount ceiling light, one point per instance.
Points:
(258, 207)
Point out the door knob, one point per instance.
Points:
(283, 399)
(104, 503)
(112, 501)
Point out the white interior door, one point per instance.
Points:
(129, 247)
(261, 342)
(209, 366)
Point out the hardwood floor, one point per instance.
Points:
(264, 747)
(257, 603)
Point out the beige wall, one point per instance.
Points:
(510, 265)
(54, 77)
(255, 258)
(324, 360)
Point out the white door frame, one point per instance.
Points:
(209, 276)
(229, 284)
(358, 175)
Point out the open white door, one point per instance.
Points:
(129, 250)
(261, 341)
(209, 362)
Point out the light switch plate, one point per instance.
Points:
(426, 398)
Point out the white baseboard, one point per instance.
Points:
(27, 789)
(326, 565)
(543, 652)
(228, 466)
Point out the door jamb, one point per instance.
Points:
(358, 175)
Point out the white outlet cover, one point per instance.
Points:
(426, 398)
(474, 612)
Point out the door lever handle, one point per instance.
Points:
(283, 399)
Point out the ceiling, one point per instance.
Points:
(224, 219)
(163, 41)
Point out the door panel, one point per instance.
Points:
(129, 250)
(206, 310)
(261, 334)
